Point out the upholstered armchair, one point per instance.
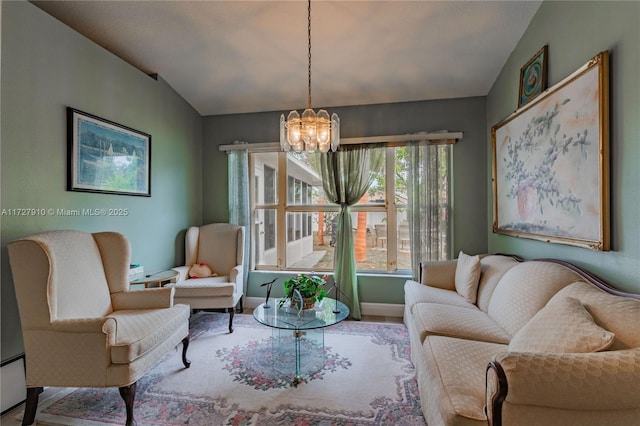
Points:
(220, 246)
(82, 327)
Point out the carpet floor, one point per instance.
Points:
(366, 379)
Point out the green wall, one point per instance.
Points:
(469, 170)
(575, 32)
(46, 67)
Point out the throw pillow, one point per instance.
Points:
(201, 270)
(467, 276)
(563, 325)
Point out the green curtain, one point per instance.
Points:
(346, 177)
(429, 204)
(238, 172)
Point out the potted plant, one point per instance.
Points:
(309, 288)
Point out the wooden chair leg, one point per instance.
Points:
(185, 345)
(128, 394)
(31, 405)
(231, 311)
(241, 309)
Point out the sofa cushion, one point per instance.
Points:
(619, 315)
(140, 331)
(564, 325)
(415, 292)
(467, 276)
(524, 290)
(455, 321)
(493, 268)
(455, 378)
(439, 273)
(204, 287)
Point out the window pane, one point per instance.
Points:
(264, 235)
(404, 240)
(265, 177)
(403, 250)
(305, 168)
(370, 240)
(269, 185)
(290, 190)
(314, 250)
(377, 191)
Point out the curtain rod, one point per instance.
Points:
(391, 140)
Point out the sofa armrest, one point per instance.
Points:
(150, 298)
(102, 325)
(440, 274)
(605, 381)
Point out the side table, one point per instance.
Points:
(159, 278)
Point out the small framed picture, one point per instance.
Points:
(106, 157)
(533, 77)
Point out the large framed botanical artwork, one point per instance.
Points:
(551, 163)
(106, 157)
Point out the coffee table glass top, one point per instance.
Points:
(322, 315)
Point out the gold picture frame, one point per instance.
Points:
(551, 163)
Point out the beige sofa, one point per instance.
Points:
(537, 343)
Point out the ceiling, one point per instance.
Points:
(248, 56)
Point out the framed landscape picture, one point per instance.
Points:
(533, 77)
(106, 157)
(551, 163)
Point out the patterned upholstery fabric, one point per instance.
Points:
(221, 247)
(415, 293)
(138, 332)
(587, 381)
(455, 321)
(564, 325)
(441, 274)
(454, 380)
(493, 268)
(453, 341)
(467, 276)
(524, 290)
(202, 287)
(619, 315)
(72, 290)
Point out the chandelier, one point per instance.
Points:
(312, 131)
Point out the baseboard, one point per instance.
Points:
(14, 388)
(382, 309)
(374, 309)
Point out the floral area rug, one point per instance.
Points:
(365, 377)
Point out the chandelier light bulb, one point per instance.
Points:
(293, 128)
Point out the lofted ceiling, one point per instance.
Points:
(248, 56)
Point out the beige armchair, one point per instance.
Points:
(221, 247)
(82, 327)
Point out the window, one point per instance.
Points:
(295, 226)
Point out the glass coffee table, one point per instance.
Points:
(297, 344)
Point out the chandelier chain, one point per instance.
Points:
(312, 131)
(309, 48)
